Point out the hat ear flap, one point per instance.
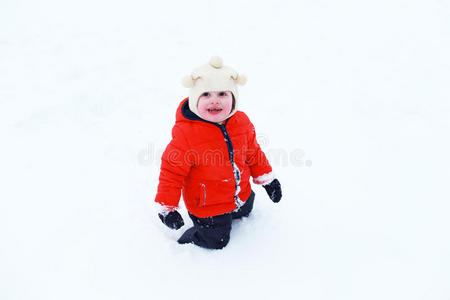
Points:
(189, 81)
(240, 79)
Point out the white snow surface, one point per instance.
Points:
(350, 100)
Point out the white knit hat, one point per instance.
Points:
(213, 77)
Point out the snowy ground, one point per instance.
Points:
(351, 99)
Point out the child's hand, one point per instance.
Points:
(273, 189)
(171, 219)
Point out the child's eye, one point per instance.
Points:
(205, 94)
(222, 94)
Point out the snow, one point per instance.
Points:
(350, 99)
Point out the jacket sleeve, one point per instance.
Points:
(174, 168)
(260, 168)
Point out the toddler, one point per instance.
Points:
(212, 154)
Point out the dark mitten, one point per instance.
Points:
(273, 189)
(172, 219)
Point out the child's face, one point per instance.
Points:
(215, 106)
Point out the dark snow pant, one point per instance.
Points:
(214, 232)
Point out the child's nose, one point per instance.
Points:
(215, 99)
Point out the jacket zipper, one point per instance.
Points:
(236, 175)
(227, 140)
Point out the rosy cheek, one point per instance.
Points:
(228, 105)
(202, 105)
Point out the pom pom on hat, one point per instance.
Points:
(216, 62)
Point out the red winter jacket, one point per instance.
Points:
(199, 162)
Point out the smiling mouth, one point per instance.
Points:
(215, 110)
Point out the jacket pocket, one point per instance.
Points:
(215, 193)
(202, 194)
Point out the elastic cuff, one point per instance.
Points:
(165, 209)
(264, 179)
